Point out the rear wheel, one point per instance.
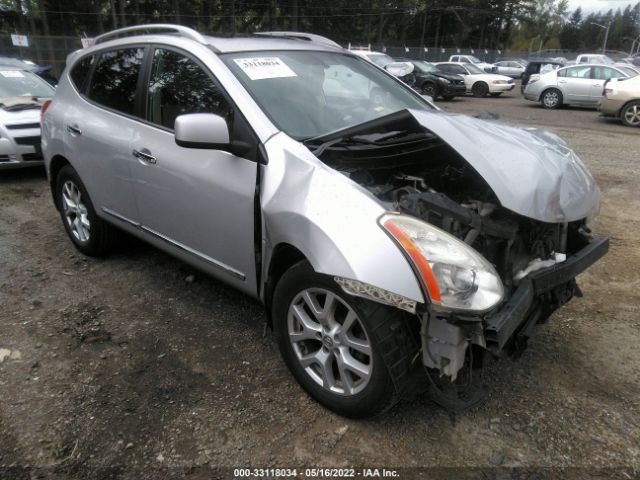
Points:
(351, 355)
(551, 98)
(89, 233)
(630, 114)
(480, 89)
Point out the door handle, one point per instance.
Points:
(145, 156)
(74, 130)
(562, 81)
(597, 84)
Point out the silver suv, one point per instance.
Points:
(384, 237)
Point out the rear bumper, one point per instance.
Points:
(530, 303)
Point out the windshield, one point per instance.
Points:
(473, 69)
(380, 60)
(18, 83)
(424, 67)
(309, 94)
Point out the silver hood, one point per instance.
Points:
(532, 172)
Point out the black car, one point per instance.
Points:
(539, 65)
(430, 81)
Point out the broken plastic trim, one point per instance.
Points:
(364, 290)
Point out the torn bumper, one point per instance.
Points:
(446, 338)
(529, 305)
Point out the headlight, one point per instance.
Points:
(455, 275)
(499, 82)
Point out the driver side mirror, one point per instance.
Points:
(201, 130)
(206, 131)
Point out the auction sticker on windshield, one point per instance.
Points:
(11, 73)
(259, 68)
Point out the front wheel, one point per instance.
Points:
(351, 355)
(89, 233)
(630, 114)
(429, 89)
(480, 89)
(551, 99)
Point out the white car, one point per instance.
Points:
(478, 82)
(402, 70)
(21, 96)
(487, 67)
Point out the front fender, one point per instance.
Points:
(330, 219)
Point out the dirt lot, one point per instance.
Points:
(130, 367)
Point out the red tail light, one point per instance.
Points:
(44, 107)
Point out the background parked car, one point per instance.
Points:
(575, 85)
(622, 99)
(43, 71)
(487, 67)
(431, 81)
(402, 70)
(478, 82)
(538, 67)
(510, 68)
(22, 94)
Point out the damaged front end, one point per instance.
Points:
(494, 224)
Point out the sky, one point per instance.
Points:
(589, 6)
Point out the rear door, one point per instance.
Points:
(99, 128)
(575, 83)
(199, 201)
(600, 74)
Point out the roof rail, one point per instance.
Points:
(309, 37)
(146, 29)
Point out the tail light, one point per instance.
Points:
(44, 108)
(534, 78)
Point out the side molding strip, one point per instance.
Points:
(226, 268)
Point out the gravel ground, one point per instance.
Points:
(136, 366)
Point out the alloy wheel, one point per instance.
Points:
(551, 99)
(632, 115)
(75, 211)
(329, 341)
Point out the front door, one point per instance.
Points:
(199, 201)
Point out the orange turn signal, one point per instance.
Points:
(418, 259)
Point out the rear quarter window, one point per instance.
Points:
(79, 73)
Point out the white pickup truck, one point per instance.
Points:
(594, 58)
(487, 67)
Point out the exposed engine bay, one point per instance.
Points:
(415, 172)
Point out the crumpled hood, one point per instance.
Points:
(532, 172)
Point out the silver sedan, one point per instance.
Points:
(575, 85)
(510, 68)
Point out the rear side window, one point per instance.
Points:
(79, 74)
(115, 79)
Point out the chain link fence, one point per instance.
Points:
(53, 50)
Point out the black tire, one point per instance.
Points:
(429, 88)
(101, 235)
(630, 114)
(392, 334)
(496, 94)
(480, 89)
(448, 98)
(551, 99)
